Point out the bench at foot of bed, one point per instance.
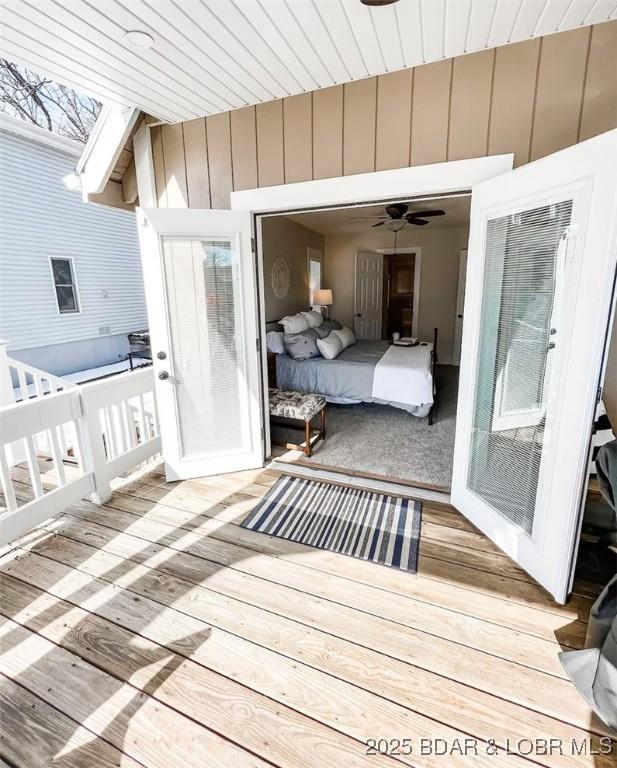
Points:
(299, 406)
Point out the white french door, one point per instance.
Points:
(541, 267)
(199, 274)
(368, 295)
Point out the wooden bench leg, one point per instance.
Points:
(307, 432)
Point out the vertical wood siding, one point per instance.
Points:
(530, 98)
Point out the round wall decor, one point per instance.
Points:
(280, 277)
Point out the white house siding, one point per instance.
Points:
(39, 218)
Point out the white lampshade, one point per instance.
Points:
(323, 297)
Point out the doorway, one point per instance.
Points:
(377, 290)
(398, 294)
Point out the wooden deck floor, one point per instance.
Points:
(154, 631)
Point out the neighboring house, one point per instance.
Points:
(71, 285)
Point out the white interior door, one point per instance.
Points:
(200, 281)
(460, 304)
(368, 295)
(541, 267)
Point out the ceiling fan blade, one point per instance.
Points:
(379, 224)
(417, 222)
(436, 212)
(396, 210)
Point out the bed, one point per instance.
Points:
(368, 372)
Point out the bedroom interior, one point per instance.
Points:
(391, 271)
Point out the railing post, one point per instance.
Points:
(94, 449)
(15, 452)
(7, 396)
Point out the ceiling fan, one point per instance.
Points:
(400, 213)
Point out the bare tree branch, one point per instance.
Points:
(43, 102)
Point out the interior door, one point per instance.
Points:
(200, 280)
(460, 304)
(540, 276)
(368, 295)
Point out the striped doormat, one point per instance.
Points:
(371, 526)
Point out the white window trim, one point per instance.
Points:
(313, 254)
(75, 285)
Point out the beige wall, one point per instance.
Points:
(283, 237)
(438, 276)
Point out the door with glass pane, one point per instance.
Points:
(541, 268)
(199, 275)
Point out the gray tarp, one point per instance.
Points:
(594, 669)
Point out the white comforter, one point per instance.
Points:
(404, 375)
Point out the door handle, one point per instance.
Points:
(163, 375)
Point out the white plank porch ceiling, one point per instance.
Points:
(210, 56)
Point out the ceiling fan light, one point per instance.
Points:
(395, 225)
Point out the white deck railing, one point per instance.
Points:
(114, 428)
(32, 382)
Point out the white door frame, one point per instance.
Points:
(367, 188)
(460, 307)
(417, 269)
(449, 178)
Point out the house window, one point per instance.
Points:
(315, 258)
(65, 285)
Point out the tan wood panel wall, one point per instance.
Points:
(530, 98)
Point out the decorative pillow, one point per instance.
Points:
(330, 347)
(313, 318)
(301, 346)
(274, 342)
(330, 325)
(346, 336)
(294, 323)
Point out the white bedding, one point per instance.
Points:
(404, 375)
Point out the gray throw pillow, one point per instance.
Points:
(326, 328)
(302, 346)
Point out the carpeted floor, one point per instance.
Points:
(387, 441)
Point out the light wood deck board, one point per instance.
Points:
(230, 655)
(173, 577)
(330, 646)
(435, 561)
(525, 649)
(439, 582)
